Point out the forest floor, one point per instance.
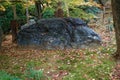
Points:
(75, 64)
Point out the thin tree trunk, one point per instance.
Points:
(27, 14)
(14, 12)
(39, 8)
(116, 19)
(67, 9)
(14, 25)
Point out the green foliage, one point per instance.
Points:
(48, 12)
(20, 10)
(5, 19)
(91, 9)
(30, 74)
(82, 9)
(85, 11)
(8, 15)
(32, 10)
(76, 12)
(6, 76)
(33, 74)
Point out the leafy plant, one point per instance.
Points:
(5, 76)
(48, 12)
(32, 10)
(31, 73)
(76, 12)
(8, 15)
(90, 9)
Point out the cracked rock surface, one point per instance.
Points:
(58, 33)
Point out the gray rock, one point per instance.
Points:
(31, 22)
(58, 33)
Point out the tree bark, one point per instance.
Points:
(116, 19)
(14, 25)
(59, 11)
(14, 12)
(39, 8)
(27, 14)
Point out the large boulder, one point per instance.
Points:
(58, 33)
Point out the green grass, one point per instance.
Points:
(90, 67)
(88, 64)
(6, 76)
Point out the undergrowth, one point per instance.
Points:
(81, 64)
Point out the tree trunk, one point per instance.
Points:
(67, 9)
(59, 11)
(14, 12)
(14, 25)
(39, 8)
(116, 19)
(27, 14)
